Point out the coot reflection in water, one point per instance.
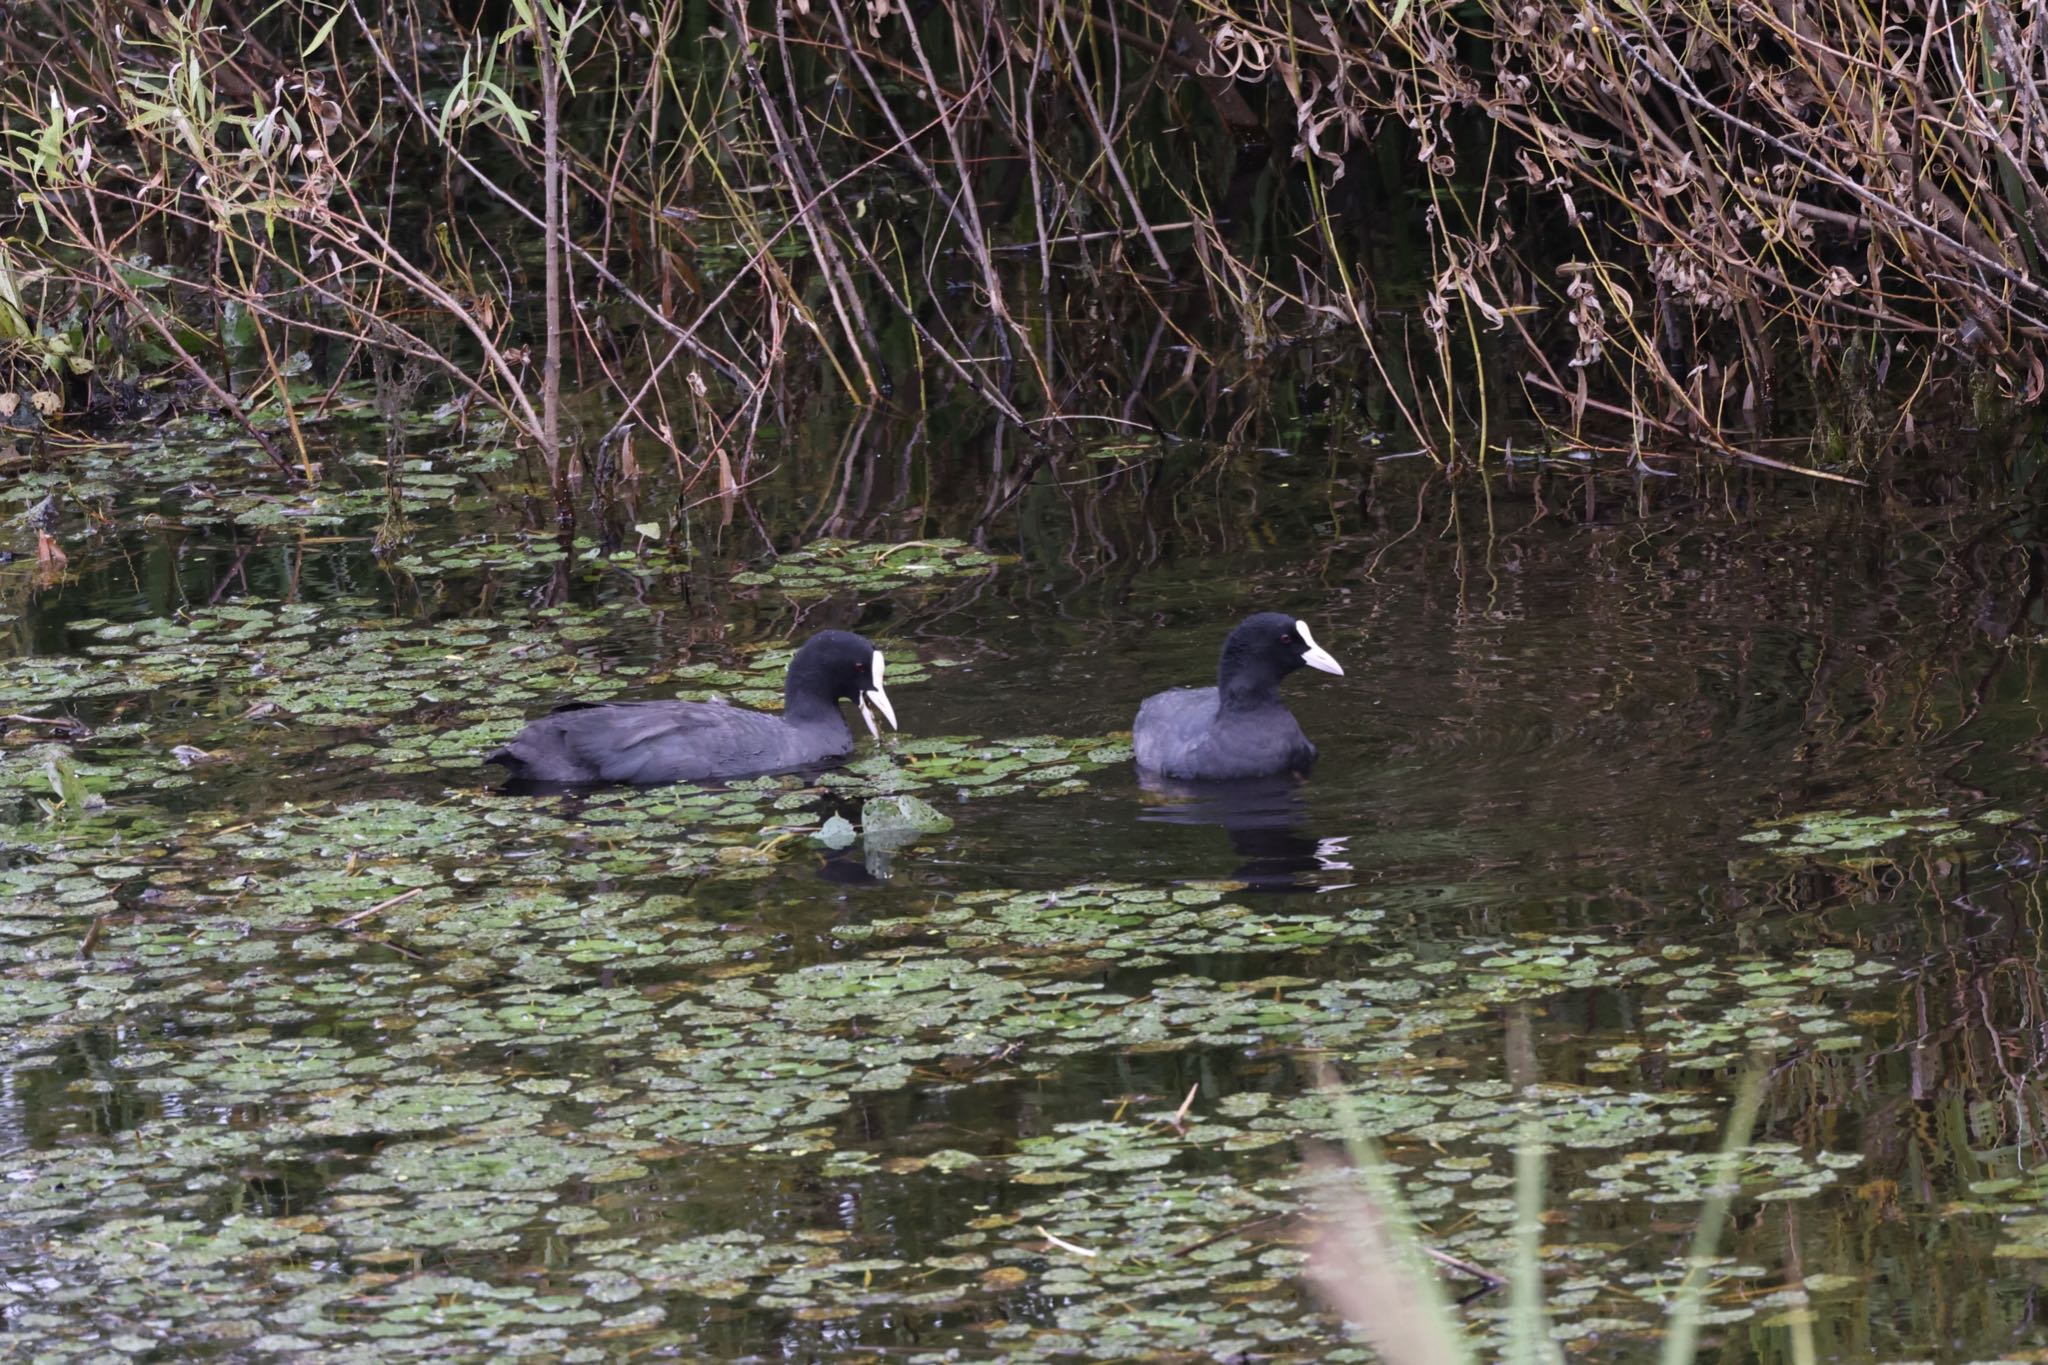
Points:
(1267, 823)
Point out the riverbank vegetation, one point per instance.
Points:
(662, 240)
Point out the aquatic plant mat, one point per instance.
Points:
(404, 1077)
(484, 1074)
(316, 1045)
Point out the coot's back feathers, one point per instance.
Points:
(648, 742)
(1238, 728)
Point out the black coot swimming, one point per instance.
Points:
(1238, 728)
(647, 742)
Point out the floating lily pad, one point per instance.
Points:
(1836, 833)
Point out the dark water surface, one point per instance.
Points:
(323, 1048)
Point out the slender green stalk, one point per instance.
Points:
(1681, 1338)
(1800, 1331)
(1529, 1340)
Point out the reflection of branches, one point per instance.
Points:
(1970, 1030)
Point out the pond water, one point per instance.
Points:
(316, 1043)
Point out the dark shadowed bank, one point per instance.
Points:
(669, 241)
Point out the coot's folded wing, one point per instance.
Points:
(665, 741)
(1171, 729)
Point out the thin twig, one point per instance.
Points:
(361, 916)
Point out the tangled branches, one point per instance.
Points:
(1661, 220)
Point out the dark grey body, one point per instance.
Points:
(1185, 733)
(1237, 729)
(646, 742)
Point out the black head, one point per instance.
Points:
(835, 666)
(1265, 648)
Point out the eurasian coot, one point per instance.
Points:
(1237, 728)
(648, 742)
